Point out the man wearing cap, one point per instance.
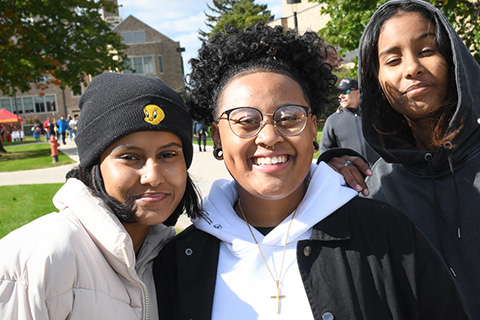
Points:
(343, 129)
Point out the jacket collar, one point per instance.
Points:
(333, 228)
(106, 230)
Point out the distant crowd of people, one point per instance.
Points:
(62, 129)
(10, 133)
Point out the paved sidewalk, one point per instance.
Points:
(47, 175)
(204, 170)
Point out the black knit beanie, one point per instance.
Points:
(115, 105)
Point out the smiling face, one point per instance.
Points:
(412, 71)
(259, 170)
(148, 167)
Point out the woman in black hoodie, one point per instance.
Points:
(420, 97)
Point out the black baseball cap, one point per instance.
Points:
(348, 83)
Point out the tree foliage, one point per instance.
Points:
(349, 18)
(237, 13)
(63, 40)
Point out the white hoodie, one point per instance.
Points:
(244, 285)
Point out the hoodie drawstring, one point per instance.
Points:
(448, 147)
(442, 222)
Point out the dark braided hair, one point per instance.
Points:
(259, 47)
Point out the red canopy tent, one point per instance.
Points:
(8, 117)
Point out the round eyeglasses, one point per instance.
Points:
(246, 122)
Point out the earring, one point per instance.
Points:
(316, 146)
(218, 153)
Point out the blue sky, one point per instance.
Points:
(179, 19)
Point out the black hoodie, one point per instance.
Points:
(439, 190)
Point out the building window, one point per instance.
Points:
(130, 37)
(160, 64)
(148, 65)
(39, 104)
(50, 103)
(19, 105)
(5, 103)
(9, 104)
(13, 108)
(140, 65)
(28, 106)
(137, 65)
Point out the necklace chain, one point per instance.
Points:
(277, 281)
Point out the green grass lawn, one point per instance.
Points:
(30, 156)
(25, 140)
(21, 204)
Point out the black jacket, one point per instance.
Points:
(438, 190)
(343, 129)
(365, 261)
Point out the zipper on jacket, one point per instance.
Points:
(361, 139)
(145, 296)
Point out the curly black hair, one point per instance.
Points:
(303, 58)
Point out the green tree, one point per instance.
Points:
(237, 13)
(62, 40)
(349, 18)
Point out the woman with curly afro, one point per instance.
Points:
(286, 239)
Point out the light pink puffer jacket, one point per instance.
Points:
(78, 263)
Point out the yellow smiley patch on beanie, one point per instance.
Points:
(153, 114)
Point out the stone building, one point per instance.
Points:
(42, 101)
(308, 18)
(152, 53)
(149, 52)
(307, 14)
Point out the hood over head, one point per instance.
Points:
(387, 131)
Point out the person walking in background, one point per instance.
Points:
(37, 131)
(287, 239)
(3, 132)
(46, 129)
(62, 126)
(93, 258)
(201, 130)
(53, 127)
(68, 134)
(420, 92)
(343, 129)
(72, 127)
